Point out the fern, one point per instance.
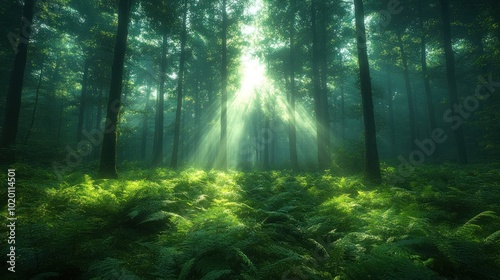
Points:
(216, 274)
(109, 269)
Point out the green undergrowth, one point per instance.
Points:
(439, 223)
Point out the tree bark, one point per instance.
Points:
(107, 168)
(14, 92)
(372, 167)
(450, 74)
(177, 125)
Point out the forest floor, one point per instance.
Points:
(439, 223)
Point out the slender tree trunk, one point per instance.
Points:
(425, 73)
(35, 106)
(180, 81)
(145, 124)
(317, 82)
(450, 72)
(158, 137)
(59, 123)
(409, 94)
(266, 144)
(83, 100)
(13, 101)
(342, 101)
(107, 168)
(292, 133)
(197, 122)
(325, 114)
(223, 114)
(390, 105)
(97, 149)
(372, 161)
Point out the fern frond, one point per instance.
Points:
(493, 237)
(216, 274)
(186, 268)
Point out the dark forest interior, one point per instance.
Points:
(238, 139)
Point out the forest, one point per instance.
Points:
(240, 139)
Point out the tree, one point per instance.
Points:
(13, 102)
(425, 72)
(158, 134)
(372, 165)
(292, 133)
(107, 167)
(450, 75)
(319, 69)
(224, 78)
(180, 81)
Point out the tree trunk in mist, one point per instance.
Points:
(223, 105)
(83, 100)
(33, 114)
(158, 136)
(372, 166)
(450, 73)
(342, 104)
(322, 127)
(292, 129)
(107, 168)
(425, 73)
(266, 144)
(197, 122)
(145, 124)
(14, 92)
(177, 125)
(325, 114)
(390, 106)
(409, 94)
(97, 149)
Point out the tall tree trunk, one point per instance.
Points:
(83, 100)
(342, 101)
(97, 149)
(292, 133)
(107, 168)
(197, 122)
(325, 114)
(390, 106)
(372, 167)
(177, 125)
(265, 158)
(223, 105)
(59, 123)
(425, 73)
(450, 73)
(145, 124)
(13, 101)
(318, 90)
(409, 94)
(33, 114)
(158, 136)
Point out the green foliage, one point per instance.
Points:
(260, 225)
